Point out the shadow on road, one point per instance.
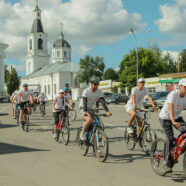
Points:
(3, 126)
(4, 114)
(115, 139)
(6, 148)
(126, 158)
(177, 176)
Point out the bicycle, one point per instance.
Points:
(25, 125)
(63, 131)
(143, 135)
(96, 138)
(42, 108)
(35, 107)
(157, 152)
(17, 113)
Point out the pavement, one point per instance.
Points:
(35, 159)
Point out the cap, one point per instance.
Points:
(25, 85)
(182, 82)
(61, 91)
(141, 80)
(94, 80)
(65, 89)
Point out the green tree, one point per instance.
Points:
(151, 64)
(13, 82)
(110, 74)
(182, 61)
(169, 64)
(7, 73)
(90, 66)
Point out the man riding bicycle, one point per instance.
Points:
(90, 97)
(67, 95)
(15, 102)
(59, 108)
(24, 97)
(170, 116)
(135, 103)
(42, 99)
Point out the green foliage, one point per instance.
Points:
(90, 66)
(13, 82)
(182, 61)
(169, 64)
(7, 73)
(151, 64)
(110, 74)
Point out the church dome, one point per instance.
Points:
(61, 42)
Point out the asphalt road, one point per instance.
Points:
(35, 159)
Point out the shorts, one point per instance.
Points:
(15, 106)
(43, 102)
(22, 104)
(56, 116)
(131, 107)
(81, 112)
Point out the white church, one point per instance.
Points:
(39, 72)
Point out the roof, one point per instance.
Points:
(61, 42)
(173, 75)
(169, 81)
(55, 68)
(37, 26)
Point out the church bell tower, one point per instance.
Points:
(37, 45)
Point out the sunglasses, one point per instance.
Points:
(96, 84)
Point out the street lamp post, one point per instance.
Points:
(137, 58)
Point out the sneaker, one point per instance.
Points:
(130, 130)
(82, 136)
(54, 136)
(167, 169)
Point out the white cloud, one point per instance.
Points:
(173, 18)
(86, 23)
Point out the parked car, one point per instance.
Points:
(4, 99)
(160, 102)
(117, 98)
(107, 94)
(155, 96)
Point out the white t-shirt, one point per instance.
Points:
(68, 97)
(25, 95)
(173, 97)
(92, 98)
(60, 104)
(15, 98)
(42, 97)
(140, 94)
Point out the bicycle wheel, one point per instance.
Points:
(101, 145)
(27, 124)
(72, 115)
(65, 134)
(148, 137)
(42, 111)
(78, 135)
(184, 164)
(157, 156)
(102, 125)
(17, 116)
(129, 140)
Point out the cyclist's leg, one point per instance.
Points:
(14, 114)
(169, 134)
(132, 115)
(86, 124)
(56, 120)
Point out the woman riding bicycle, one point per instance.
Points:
(170, 115)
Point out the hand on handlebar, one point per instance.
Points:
(108, 114)
(177, 124)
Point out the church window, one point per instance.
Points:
(65, 45)
(40, 44)
(58, 53)
(48, 89)
(30, 44)
(65, 54)
(38, 14)
(29, 66)
(55, 91)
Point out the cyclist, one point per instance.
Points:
(59, 108)
(135, 103)
(11, 99)
(15, 102)
(42, 99)
(24, 97)
(35, 96)
(91, 96)
(67, 95)
(170, 116)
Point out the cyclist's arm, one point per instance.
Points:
(47, 99)
(19, 97)
(102, 101)
(54, 102)
(171, 114)
(85, 104)
(151, 101)
(134, 100)
(31, 98)
(71, 102)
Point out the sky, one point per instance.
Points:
(95, 27)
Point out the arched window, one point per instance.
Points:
(58, 53)
(40, 44)
(65, 54)
(48, 89)
(45, 89)
(30, 44)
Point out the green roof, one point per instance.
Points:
(169, 81)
